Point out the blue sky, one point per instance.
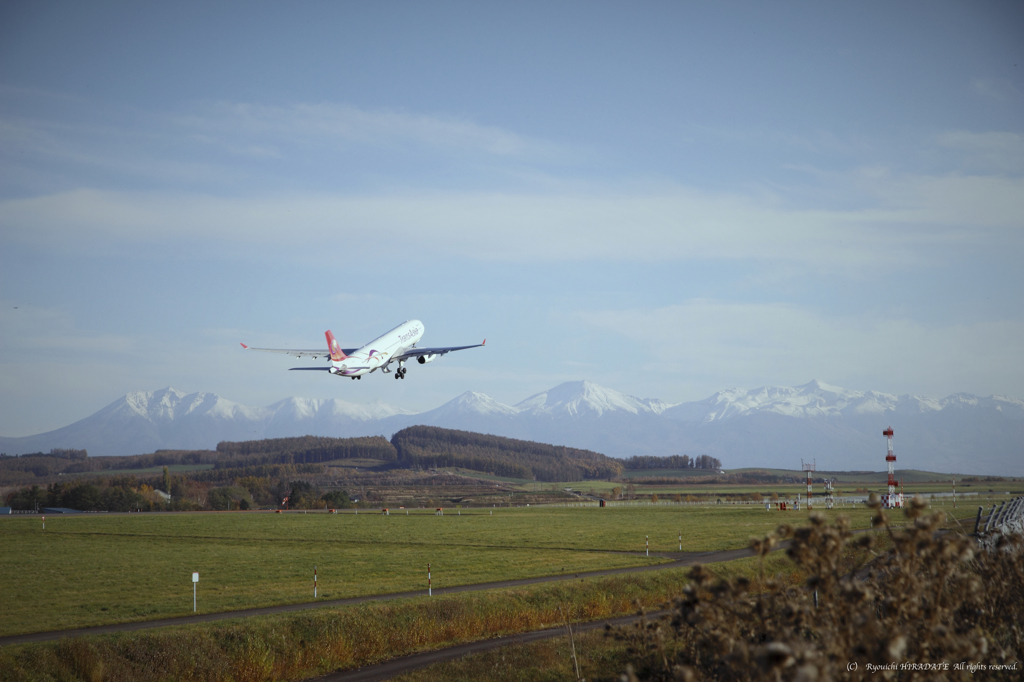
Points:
(667, 199)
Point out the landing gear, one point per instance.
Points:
(400, 373)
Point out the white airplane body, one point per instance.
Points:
(398, 346)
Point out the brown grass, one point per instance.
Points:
(930, 601)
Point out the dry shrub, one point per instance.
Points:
(932, 599)
(84, 659)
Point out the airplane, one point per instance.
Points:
(398, 346)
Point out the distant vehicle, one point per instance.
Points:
(397, 346)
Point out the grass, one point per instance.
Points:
(118, 561)
(482, 476)
(297, 646)
(600, 658)
(90, 570)
(97, 569)
(874, 483)
(677, 473)
(355, 463)
(604, 658)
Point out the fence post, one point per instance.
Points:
(991, 518)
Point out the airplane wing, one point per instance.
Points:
(319, 353)
(417, 352)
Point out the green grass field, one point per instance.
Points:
(301, 645)
(914, 482)
(95, 569)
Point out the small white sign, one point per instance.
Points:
(195, 577)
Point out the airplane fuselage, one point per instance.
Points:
(379, 352)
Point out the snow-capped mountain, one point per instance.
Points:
(817, 399)
(769, 426)
(144, 421)
(472, 404)
(583, 398)
(838, 427)
(333, 417)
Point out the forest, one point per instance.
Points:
(309, 471)
(432, 447)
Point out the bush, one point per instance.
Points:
(337, 499)
(929, 600)
(304, 496)
(227, 497)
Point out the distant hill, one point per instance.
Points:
(430, 446)
(422, 447)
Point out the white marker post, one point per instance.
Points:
(680, 541)
(647, 541)
(314, 582)
(44, 523)
(430, 589)
(195, 579)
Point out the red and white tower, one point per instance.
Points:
(893, 499)
(809, 468)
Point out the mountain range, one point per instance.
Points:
(839, 429)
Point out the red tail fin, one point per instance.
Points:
(337, 354)
(332, 345)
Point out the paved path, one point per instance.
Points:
(678, 560)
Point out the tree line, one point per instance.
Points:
(307, 450)
(59, 453)
(673, 462)
(117, 494)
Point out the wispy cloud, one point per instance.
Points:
(346, 124)
(665, 222)
(708, 342)
(231, 146)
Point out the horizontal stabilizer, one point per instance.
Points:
(310, 369)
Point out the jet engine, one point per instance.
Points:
(424, 359)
